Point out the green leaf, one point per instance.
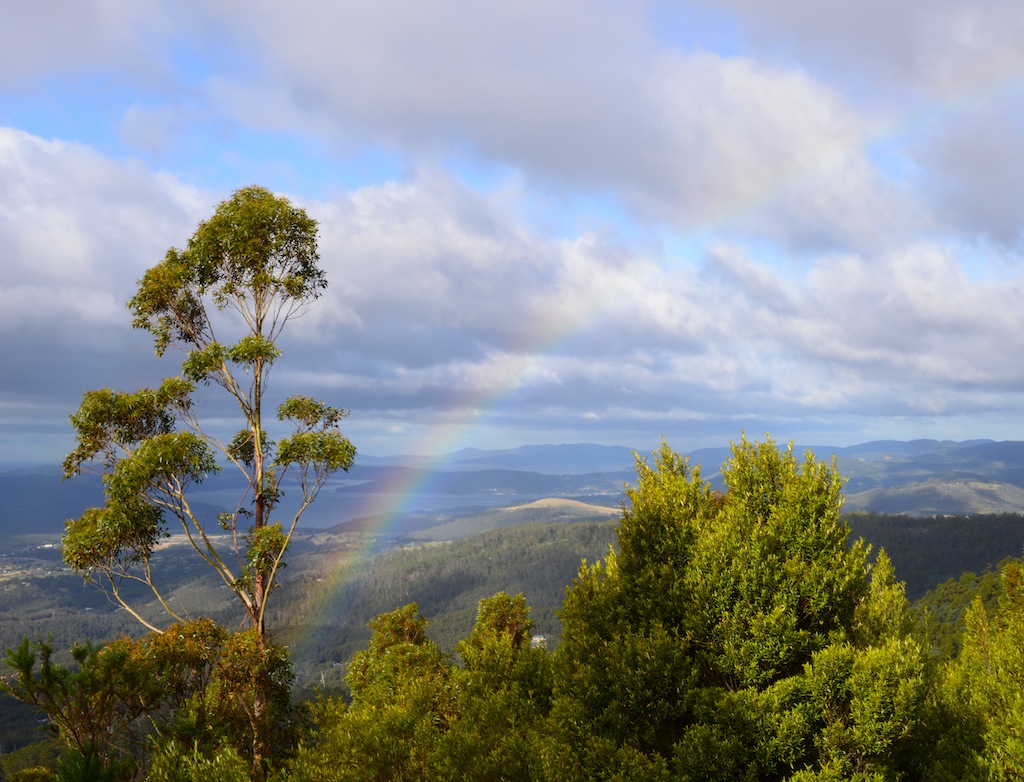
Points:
(330, 450)
(253, 349)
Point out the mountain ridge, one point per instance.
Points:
(917, 477)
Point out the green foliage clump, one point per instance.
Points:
(941, 614)
(174, 762)
(193, 685)
(987, 680)
(32, 774)
(737, 635)
(415, 714)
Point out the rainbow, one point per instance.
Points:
(378, 518)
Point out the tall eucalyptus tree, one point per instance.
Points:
(224, 301)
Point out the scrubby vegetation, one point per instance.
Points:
(728, 635)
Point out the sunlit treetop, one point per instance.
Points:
(257, 255)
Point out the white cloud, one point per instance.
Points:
(579, 96)
(78, 221)
(970, 168)
(941, 47)
(616, 334)
(821, 180)
(47, 37)
(78, 230)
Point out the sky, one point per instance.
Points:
(541, 222)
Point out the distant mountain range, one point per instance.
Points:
(929, 477)
(545, 459)
(919, 478)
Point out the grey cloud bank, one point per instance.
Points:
(560, 222)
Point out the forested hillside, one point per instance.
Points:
(326, 622)
(329, 593)
(929, 550)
